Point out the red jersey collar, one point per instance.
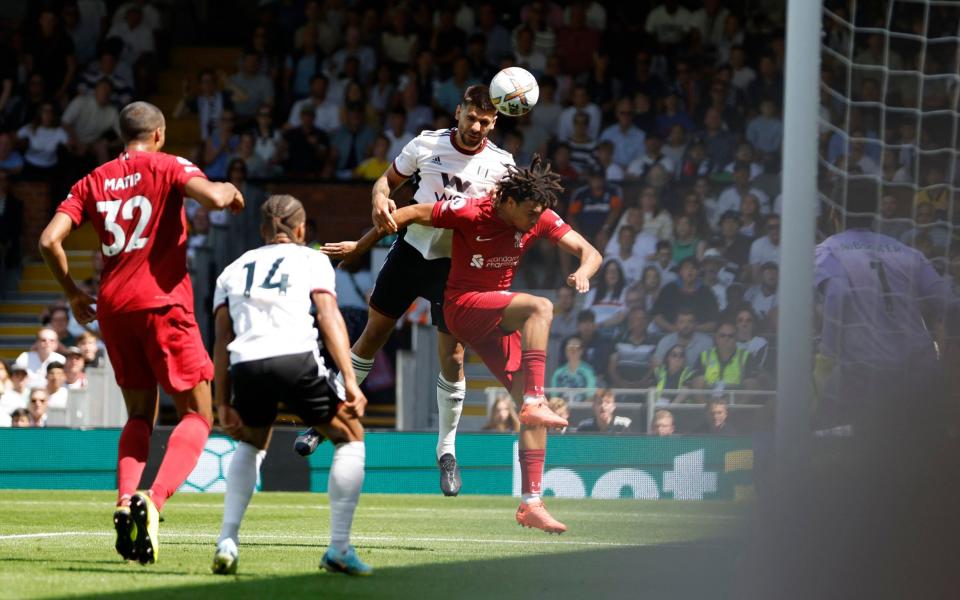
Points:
(461, 149)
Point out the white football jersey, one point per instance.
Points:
(268, 293)
(444, 171)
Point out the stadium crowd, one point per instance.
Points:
(664, 118)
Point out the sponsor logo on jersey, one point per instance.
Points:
(500, 262)
(436, 160)
(449, 184)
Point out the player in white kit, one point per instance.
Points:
(266, 350)
(443, 164)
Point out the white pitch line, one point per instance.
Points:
(363, 538)
(392, 510)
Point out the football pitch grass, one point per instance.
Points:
(60, 544)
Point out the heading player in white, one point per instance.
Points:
(262, 308)
(444, 164)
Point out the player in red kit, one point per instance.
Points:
(508, 330)
(145, 308)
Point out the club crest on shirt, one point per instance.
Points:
(518, 239)
(476, 261)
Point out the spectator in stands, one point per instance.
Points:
(503, 416)
(686, 241)
(305, 63)
(525, 54)
(37, 407)
(399, 43)
(715, 277)
(326, 110)
(207, 102)
(751, 221)
(612, 171)
(20, 418)
(58, 319)
(308, 148)
(11, 161)
(250, 88)
(732, 197)
(220, 146)
(890, 223)
(91, 122)
(756, 346)
(631, 260)
(934, 233)
(743, 73)
(676, 147)
(93, 355)
(351, 143)
(35, 361)
(746, 155)
(631, 364)
(583, 146)
(766, 249)
(686, 292)
(83, 32)
(52, 54)
(674, 374)
(662, 261)
(607, 298)
(718, 143)
(936, 189)
(652, 155)
(372, 168)
(672, 114)
(605, 419)
(353, 47)
(596, 348)
(595, 209)
(396, 131)
(715, 418)
(765, 132)
(656, 221)
(56, 385)
(662, 423)
(628, 140)
(449, 93)
(732, 244)
(245, 162)
(725, 366)
(684, 333)
(577, 43)
(139, 45)
(535, 16)
(768, 85)
(74, 376)
(561, 408)
(650, 285)
(42, 141)
(708, 22)
(564, 323)
(11, 225)
(513, 143)
(108, 67)
(19, 389)
(762, 295)
(574, 373)
(561, 162)
(6, 384)
(669, 23)
(581, 102)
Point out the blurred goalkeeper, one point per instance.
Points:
(880, 303)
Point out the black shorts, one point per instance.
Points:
(405, 276)
(308, 390)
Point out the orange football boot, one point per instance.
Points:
(536, 516)
(538, 414)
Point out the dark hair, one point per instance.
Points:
(319, 76)
(138, 120)
(54, 365)
(586, 315)
(685, 309)
(478, 96)
(19, 412)
(537, 183)
(664, 244)
(688, 260)
(601, 286)
(234, 163)
(281, 213)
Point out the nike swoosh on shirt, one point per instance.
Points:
(483, 239)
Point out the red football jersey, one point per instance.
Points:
(135, 204)
(487, 250)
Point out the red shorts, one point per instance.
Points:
(159, 345)
(474, 319)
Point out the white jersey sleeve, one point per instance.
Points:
(323, 278)
(406, 163)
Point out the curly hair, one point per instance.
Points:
(538, 183)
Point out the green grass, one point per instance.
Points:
(419, 546)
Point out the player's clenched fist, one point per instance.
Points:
(237, 203)
(383, 207)
(579, 282)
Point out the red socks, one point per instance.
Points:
(183, 450)
(531, 471)
(132, 457)
(534, 363)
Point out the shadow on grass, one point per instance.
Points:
(680, 571)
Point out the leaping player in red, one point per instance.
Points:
(145, 308)
(508, 330)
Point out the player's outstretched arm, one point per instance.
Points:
(51, 248)
(575, 244)
(337, 343)
(215, 195)
(229, 418)
(350, 251)
(383, 206)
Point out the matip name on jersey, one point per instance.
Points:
(121, 183)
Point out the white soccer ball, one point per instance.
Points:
(514, 91)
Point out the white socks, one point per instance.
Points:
(241, 481)
(343, 488)
(450, 397)
(361, 368)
